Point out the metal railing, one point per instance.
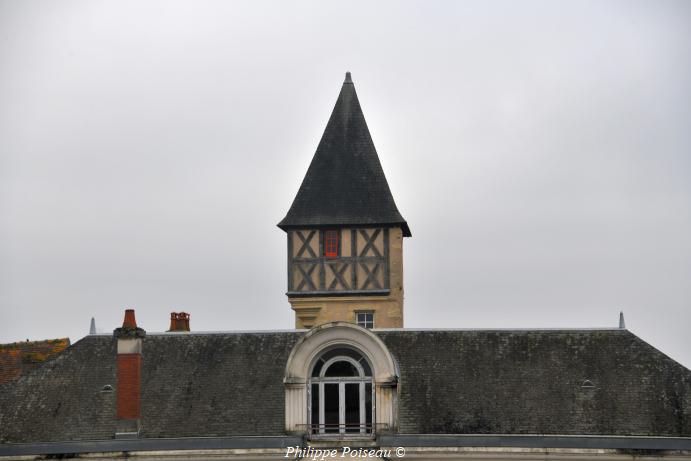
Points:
(342, 430)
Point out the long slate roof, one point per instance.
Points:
(345, 183)
(451, 382)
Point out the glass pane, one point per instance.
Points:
(331, 408)
(352, 407)
(314, 401)
(331, 243)
(365, 319)
(341, 351)
(341, 368)
(368, 406)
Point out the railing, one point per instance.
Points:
(342, 430)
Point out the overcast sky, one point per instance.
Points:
(540, 151)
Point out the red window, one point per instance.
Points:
(331, 244)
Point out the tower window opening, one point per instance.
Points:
(331, 244)
(365, 319)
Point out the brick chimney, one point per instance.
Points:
(179, 321)
(128, 392)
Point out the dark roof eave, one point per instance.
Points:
(506, 441)
(403, 225)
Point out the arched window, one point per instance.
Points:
(370, 369)
(341, 394)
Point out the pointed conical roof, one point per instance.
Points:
(345, 183)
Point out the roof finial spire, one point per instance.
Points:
(621, 320)
(92, 329)
(348, 78)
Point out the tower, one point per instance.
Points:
(345, 234)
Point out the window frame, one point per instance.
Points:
(365, 322)
(332, 243)
(363, 379)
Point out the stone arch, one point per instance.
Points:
(323, 338)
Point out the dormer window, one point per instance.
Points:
(331, 244)
(340, 382)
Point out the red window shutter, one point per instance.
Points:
(331, 244)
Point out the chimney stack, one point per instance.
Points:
(128, 392)
(179, 321)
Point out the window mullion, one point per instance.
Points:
(341, 407)
(363, 420)
(321, 408)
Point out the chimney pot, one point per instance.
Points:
(173, 322)
(130, 321)
(179, 321)
(185, 320)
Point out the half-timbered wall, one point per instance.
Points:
(361, 267)
(366, 276)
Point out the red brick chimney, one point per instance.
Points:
(129, 361)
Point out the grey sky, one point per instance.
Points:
(540, 151)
